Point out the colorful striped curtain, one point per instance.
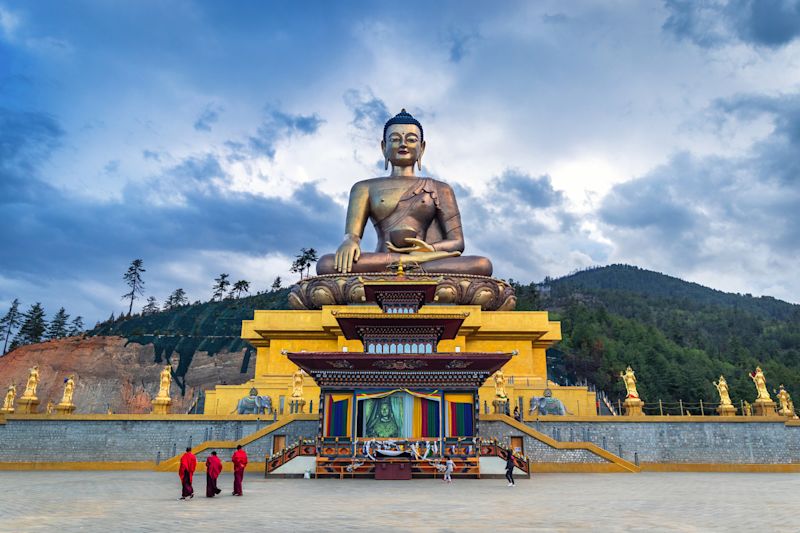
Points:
(426, 418)
(460, 415)
(338, 415)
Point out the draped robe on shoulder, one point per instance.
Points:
(239, 459)
(186, 472)
(213, 469)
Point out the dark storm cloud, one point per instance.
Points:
(279, 125)
(369, 112)
(26, 139)
(767, 23)
(207, 118)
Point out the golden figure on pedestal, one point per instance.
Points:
(722, 388)
(8, 402)
(49, 407)
(725, 407)
(69, 390)
(162, 401)
(787, 406)
(33, 382)
(748, 409)
(165, 382)
(761, 385)
(629, 378)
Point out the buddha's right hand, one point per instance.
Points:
(348, 252)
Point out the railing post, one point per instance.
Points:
(680, 403)
(660, 408)
(636, 458)
(702, 411)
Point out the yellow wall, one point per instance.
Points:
(529, 333)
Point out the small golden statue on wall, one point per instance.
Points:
(8, 402)
(500, 385)
(633, 404)
(500, 402)
(787, 406)
(297, 383)
(66, 406)
(747, 409)
(162, 401)
(28, 402)
(763, 406)
(725, 407)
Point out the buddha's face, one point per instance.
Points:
(402, 145)
(384, 410)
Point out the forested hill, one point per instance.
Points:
(678, 336)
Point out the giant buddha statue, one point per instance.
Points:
(416, 218)
(419, 231)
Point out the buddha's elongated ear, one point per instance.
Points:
(421, 151)
(385, 155)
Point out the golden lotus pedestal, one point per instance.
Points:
(28, 406)
(457, 289)
(633, 407)
(161, 406)
(65, 408)
(500, 406)
(764, 408)
(726, 410)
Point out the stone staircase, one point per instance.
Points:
(618, 464)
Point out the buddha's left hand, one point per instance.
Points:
(418, 246)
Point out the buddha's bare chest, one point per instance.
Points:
(383, 200)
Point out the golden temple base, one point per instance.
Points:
(65, 408)
(28, 406)
(726, 410)
(764, 408)
(7, 411)
(161, 406)
(633, 407)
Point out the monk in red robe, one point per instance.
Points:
(185, 472)
(213, 468)
(239, 459)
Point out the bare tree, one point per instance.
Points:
(221, 285)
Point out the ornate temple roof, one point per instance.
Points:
(444, 370)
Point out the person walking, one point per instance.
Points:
(186, 472)
(213, 468)
(239, 459)
(449, 466)
(510, 467)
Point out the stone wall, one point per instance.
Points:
(76, 440)
(660, 441)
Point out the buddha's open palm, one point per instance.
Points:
(418, 245)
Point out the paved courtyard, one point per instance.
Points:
(146, 501)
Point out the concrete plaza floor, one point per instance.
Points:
(146, 501)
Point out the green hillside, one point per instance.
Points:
(678, 336)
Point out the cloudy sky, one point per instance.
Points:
(208, 137)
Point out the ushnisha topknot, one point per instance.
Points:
(404, 117)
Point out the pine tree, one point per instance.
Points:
(10, 322)
(151, 307)
(240, 287)
(176, 299)
(276, 285)
(33, 326)
(58, 325)
(133, 278)
(303, 261)
(77, 326)
(220, 286)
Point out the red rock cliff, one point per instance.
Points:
(110, 373)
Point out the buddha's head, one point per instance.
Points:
(403, 141)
